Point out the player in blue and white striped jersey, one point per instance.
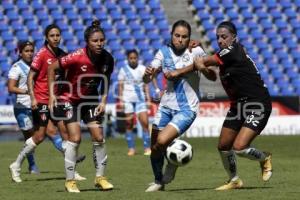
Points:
(17, 84)
(134, 95)
(179, 103)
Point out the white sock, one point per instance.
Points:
(99, 157)
(229, 163)
(70, 159)
(252, 154)
(28, 147)
(63, 145)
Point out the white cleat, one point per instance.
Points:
(154, 187)
(78, 177)
(169, 174)
(15, 173)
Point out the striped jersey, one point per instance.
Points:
(184, 92)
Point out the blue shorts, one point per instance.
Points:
(23, 116)
(179, 119)
(135, 107)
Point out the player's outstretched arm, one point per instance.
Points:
(179, 72)
(30, 83)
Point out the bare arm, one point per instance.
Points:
(149, 74)
(51, 78)
(179, 72)
(147, 92)
(12, 87)
(30, 84)
(210, 74)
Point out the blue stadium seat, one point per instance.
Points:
(156, 44)
(208, 25)
(143, 45)
(36, 5)
(80, 5)
(144, 15)
(148, 25)
(10, 46)
(51, 5)
(199, 4)
(227, 4)
(213, 4)
(37, 35)
(276, 44)
(12, 15)
(271, 4)
(266, 24)
(86, 16)
(7, 36)
(158, 14)
(121, 26)
(116, 15)
(110, 5)
(128, 44)
(110, 35)
(130, 15)
(256, 4)
(247, 14)
(71, 46)
(139, 35)
(7, 5)
(232, 14)
(162, 24)
(292, 72)
(101, 15)
(125, 5)
(124, 35)
(280, 24)
(251, 24)
(154, 4)
(106, 25)
(203, 15)
(21, 35)
(22, 5)
(71, 15)
(66, 4)
(218, 15)
(275, 13)
(134, 25)
(291, 44)
(285, 4)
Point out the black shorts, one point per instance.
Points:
(251, 115)
(83, 111)
(41, 115)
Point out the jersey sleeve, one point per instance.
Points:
(37, 62)
(67, 61)
(14, 73)
(198, 51)
(225, 55)
(121, 75)
(157, 61)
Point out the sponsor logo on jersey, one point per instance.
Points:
(49, 61)
(185, 58)
(43, 117)
(83, 68)
(224, 52)
(69, 114)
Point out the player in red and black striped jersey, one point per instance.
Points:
(88, 69)
(250, 104)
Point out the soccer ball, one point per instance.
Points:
(179, 152)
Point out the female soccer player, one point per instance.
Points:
(17, 79)
(179, 103)
(250, 105)
(134, 97)
(88, 68)
(38, 91)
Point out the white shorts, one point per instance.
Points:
(135, 107)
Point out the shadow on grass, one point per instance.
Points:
(199, 189)
(92, 190)
(51, 179)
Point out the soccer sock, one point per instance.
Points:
(252, 154)
(130, 140)
(157, 163)
(28, 147)
(146, 138)
(70, 159)
(63, 145)
(229, 163)
(99, 157)
(30, 159)
(57, 142)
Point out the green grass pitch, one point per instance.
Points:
(131, 175)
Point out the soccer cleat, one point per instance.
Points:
(80, 158)
(237, 184)
(169, 174)
(266, 167)
(131, 152)
(154, 187)
(15, 173)
(102, 183)
(78, 177)
(71, 186)
(33, 169)
(147, 152)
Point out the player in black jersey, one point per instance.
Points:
(250, 104)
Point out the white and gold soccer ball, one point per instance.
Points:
(179, 152)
